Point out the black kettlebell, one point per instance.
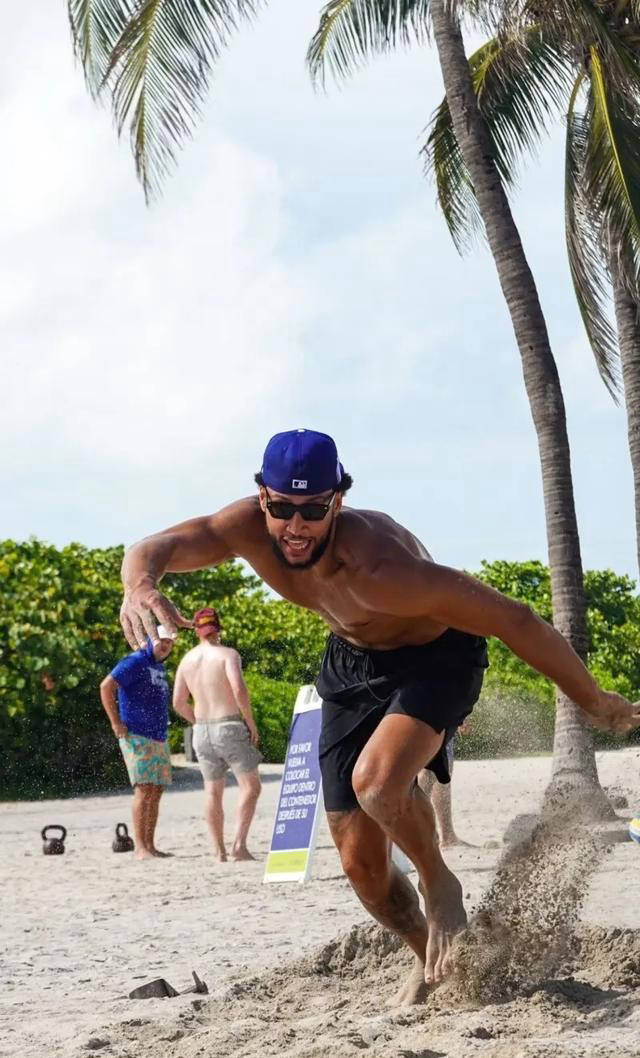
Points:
(122, 842)
(54, 846)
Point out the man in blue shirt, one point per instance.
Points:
(135, 696)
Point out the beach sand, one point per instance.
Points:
(553, 961)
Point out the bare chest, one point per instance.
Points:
(334, 599)
(329, 596)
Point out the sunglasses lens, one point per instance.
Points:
(312, 512)
(281, 510)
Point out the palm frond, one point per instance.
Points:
(455, 194)
(587, 262)
(582, 24)
(350, 32)
(159, 74)
(96, 25)
(612, 167)
(521, 85)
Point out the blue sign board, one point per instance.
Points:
(300, 800)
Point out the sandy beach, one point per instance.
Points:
(297, 970)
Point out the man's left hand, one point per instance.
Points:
(612, 712)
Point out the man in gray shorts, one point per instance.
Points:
(224, 735)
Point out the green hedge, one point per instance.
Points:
(59, 635)
(272, 702)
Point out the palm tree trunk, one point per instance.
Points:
(628, 323)
(574, 775)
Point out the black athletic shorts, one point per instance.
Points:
(438, 682)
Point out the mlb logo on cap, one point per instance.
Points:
(301, 461)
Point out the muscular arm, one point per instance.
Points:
(466, 603)
(191, 545)
(194, 544)
(233, 669)
(459, 601)
(181, 697)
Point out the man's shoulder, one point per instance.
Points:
(366, 538)
(226, 652)
(134, 658)
(242, 516)
(130, 664)
(189, 656)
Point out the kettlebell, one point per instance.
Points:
(122, 842)
(53, 846)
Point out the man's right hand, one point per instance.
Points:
(253, 732)
(143, 608)
(120, 730)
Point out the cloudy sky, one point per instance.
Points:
(295, 272)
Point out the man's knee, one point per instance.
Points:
(378, 795)
(250, 785)
(256, 785)
(213, 791)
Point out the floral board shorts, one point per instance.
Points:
(147, 761)
(224, 744)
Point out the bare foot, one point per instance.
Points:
(163, 855)
(242, 854)
(144, 854)
(445, 918)
(414, 990)
(220, 855)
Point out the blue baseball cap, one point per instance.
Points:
(301, 461)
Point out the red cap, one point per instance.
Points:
(205, 622)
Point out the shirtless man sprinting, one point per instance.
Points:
(225, 735)
(402, 668)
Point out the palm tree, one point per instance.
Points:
(520, 80)
(155, 58)
(584, 64)
(349, 31)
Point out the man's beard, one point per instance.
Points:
(315, 556)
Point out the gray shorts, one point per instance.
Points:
(224, 744)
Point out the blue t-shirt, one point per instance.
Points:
(143, 694)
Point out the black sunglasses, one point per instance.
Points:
(284, 510)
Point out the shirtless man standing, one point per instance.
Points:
(225, 735)
(402, 668)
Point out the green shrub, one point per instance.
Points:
(272, 703)
(57, 640)
(59, 636)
